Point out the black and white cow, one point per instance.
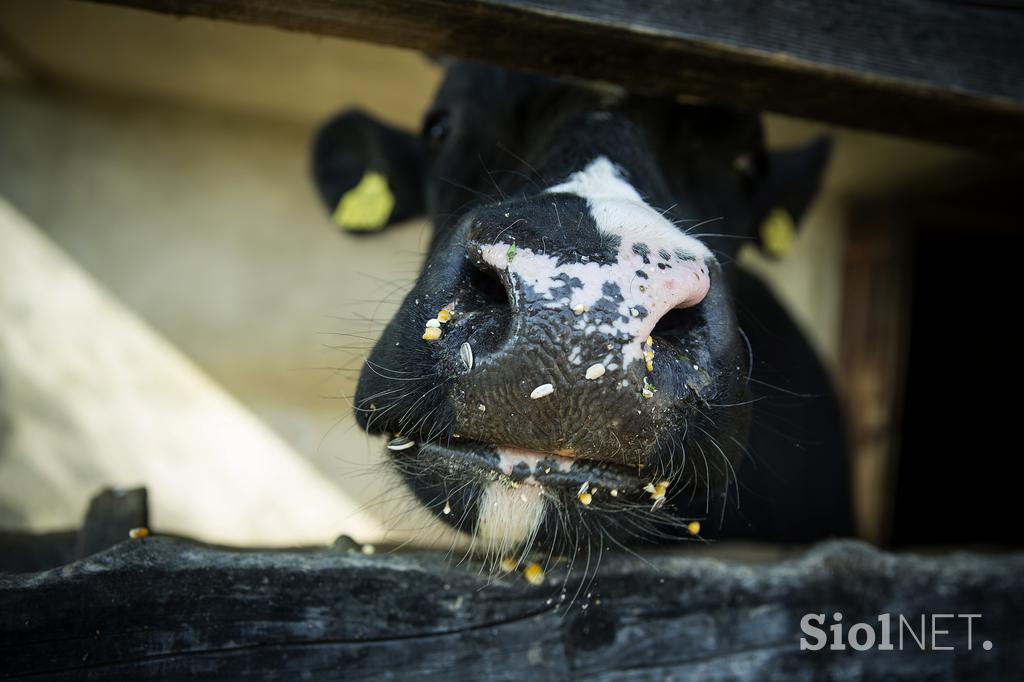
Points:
(580, 358)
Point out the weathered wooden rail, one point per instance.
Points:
(167, 608)
(948, 71)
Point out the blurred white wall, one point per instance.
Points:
(90, 397)
(206, 225)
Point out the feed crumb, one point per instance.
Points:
(693, 527)
(649, 354)
(433, 323)
(447, 508)
(508, 565)
(481, 407)
(431, 334)
(595, 371)
(585, 498)
(368, 549)
(614, 492)
(648, 389)
(444, 315)
(542, 390)
(579, 309)
(138, 533)
(400, 443)
(657, 491)
(534, 574)
(466, 353)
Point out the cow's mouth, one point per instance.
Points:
(514, 467)
(510, 500)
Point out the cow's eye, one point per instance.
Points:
(436, 128)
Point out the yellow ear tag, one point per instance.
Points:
(367, 206)
(778, 233)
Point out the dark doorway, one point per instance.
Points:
(957, 476)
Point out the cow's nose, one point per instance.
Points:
(571, 369)
(612, 300)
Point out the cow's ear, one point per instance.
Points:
(789, 181)
(369, 175)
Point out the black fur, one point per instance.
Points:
(494, 140)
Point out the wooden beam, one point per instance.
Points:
(162, 608)
(947, 72)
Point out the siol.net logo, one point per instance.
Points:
(926, 632)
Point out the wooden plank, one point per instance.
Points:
(112, 515)
(166, 608)
(952, 73)
(874, 335)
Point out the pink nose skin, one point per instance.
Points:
(657, 267)
(652, 280)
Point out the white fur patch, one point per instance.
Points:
(509, 517)
(619, 209)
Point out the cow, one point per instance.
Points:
(581, 360)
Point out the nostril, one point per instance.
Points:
(485, 287)
(482, 294)
(679, 321)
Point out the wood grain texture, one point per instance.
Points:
(166, 608)
(951, 73)
(875, 329)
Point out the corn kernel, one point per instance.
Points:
(534, 574)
